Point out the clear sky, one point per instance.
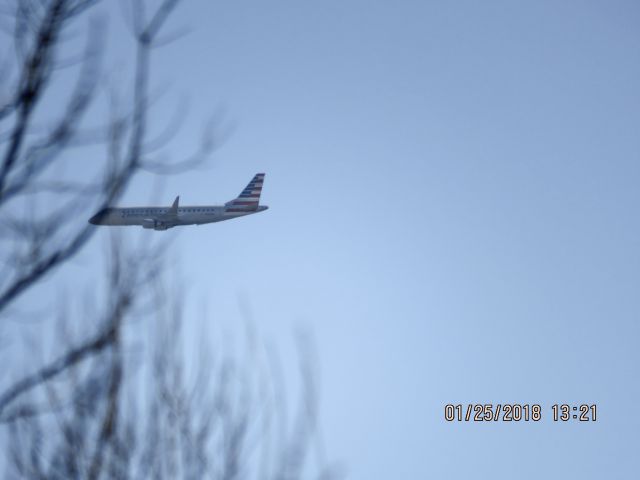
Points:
(453, 192)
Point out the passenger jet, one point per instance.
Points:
(163, 218)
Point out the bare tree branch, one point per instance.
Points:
(69, 359)
(33, 79)
(119, 177)
(224, 418)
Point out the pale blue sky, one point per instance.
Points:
(454, 191)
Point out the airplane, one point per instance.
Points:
(163, 218)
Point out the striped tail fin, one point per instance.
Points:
(250, 196)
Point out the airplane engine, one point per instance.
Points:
(153, 224)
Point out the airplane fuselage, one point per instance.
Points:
(158, 218)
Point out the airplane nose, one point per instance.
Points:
(98, 217)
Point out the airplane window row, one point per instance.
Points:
(181, 210)
(143, 212)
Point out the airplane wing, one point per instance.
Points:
(164, 220)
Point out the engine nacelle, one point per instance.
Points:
(153, 224)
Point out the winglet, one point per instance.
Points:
(174, 208)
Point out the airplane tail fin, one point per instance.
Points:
(174, 208)
(250, 196)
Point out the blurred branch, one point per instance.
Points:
(33, 80)
(208, 425)
(119, 174)
(126, 278)
(42, 154)
(69, 359)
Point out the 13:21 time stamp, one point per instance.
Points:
(582, 413)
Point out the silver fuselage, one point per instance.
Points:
(160, 218)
